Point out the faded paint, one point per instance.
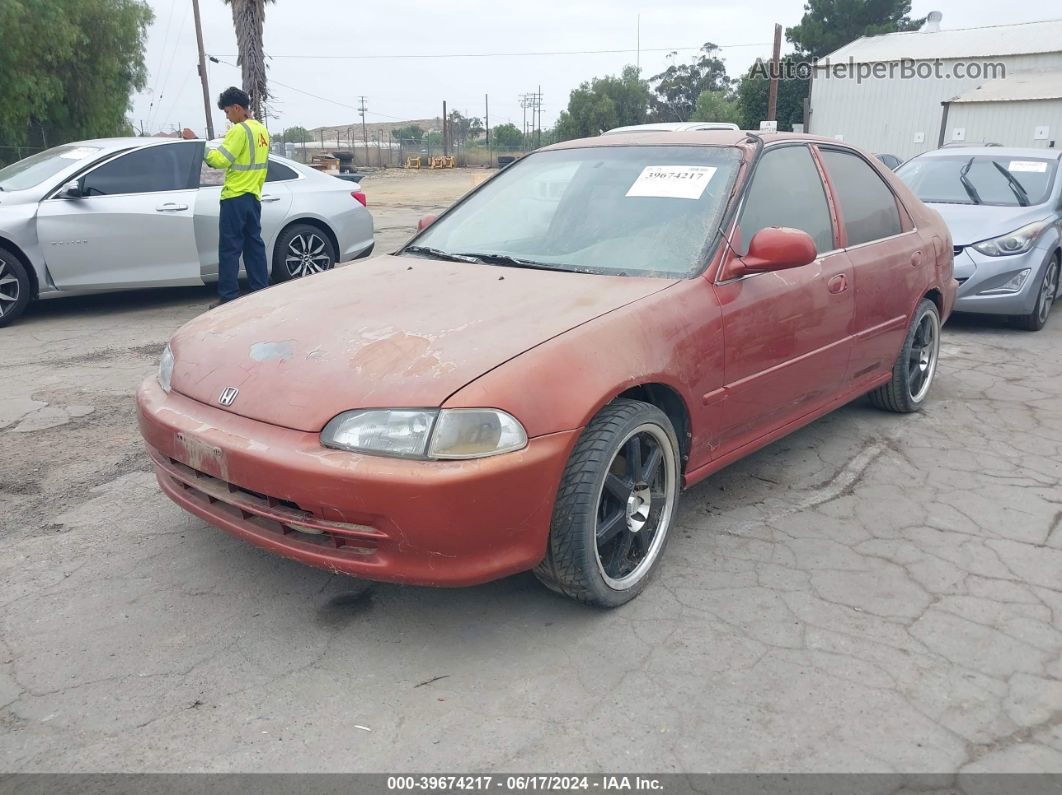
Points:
(273, 351)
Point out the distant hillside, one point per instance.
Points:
(341, 131)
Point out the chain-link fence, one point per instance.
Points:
(391, 152)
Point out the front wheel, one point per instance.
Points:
(616, 503)
(15, 287)
(302, 250)
(1045, 298)
(912, 374)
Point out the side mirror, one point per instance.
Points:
(777, 248)
(425, 222)
(71, 190)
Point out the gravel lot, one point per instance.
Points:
(872, 593)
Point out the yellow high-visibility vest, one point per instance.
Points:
(244, 154)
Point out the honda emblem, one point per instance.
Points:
(228, 397)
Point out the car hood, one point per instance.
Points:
(972, 223)
(387, 332)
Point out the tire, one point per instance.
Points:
(302, 250)
(915, 367)
(1045, 298)
(637, 509)
(16, 289)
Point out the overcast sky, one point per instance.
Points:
(409, 88)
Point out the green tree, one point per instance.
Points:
(506, 136)
(69, 67)
(248, 20)
(753, 90)
(411, 134)
(296, 135)
(716, 106)
(677, 89)
(604, 103)
(828, 25)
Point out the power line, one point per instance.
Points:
(504, 54)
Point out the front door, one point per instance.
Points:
(787, 334)
(132, 226)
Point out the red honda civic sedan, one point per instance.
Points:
(534, 378)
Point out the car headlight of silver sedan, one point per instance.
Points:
(166, 368)
(1017, 242)
(443, 434)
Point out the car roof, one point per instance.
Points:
(994, 151)
(693, 138)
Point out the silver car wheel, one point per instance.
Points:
(635, 506)
(1047, 292)
(9, 288)
(306, 254)
(922, 362)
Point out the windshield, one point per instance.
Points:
(637, 210)
(999, 180)
(35, 169)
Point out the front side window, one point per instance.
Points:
(999, 180)
(638, 210)
(868, 208)
(786, 190)
(150, 170)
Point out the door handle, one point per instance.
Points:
(838, 284)
(170, 207)
(916, 259)
(270, 198)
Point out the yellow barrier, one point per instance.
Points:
(413, 161)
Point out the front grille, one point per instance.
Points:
(275, 516)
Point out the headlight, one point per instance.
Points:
(1017, 242)
(425, 433)
(166, 368)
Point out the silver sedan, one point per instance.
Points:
(122, 213)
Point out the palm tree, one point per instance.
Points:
(248, 17)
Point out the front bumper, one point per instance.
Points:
(977, 273)
(445, 523)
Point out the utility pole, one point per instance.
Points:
(772, 95)
(446, 134)
(202, 70)
(638, 62)
(538, 107)
(486, 109)
(364, 130)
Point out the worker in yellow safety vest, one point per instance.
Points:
(244, 154)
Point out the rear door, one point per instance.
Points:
(133, 225)
(888, 256)
(787, 334)
(276, 204)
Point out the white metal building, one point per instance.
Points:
(906, 93)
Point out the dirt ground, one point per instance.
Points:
(873, 593)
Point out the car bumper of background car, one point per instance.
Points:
(445, 523)
(977, 273)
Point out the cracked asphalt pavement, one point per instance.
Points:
(874, 593)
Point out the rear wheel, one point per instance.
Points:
(1045, 299)
(302, 250)
(15, 287)
(912, 374)
(615, 506)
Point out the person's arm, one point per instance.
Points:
(232, 146)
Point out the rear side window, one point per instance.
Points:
(787, 190)
(150, 170)
(278, 172)
(868, 208)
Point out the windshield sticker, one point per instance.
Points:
(78, 152)
(1036, 166)
(672, 182)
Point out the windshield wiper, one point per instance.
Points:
(508, 259)
(1015, 186)
(438, 253)
(967, 185)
